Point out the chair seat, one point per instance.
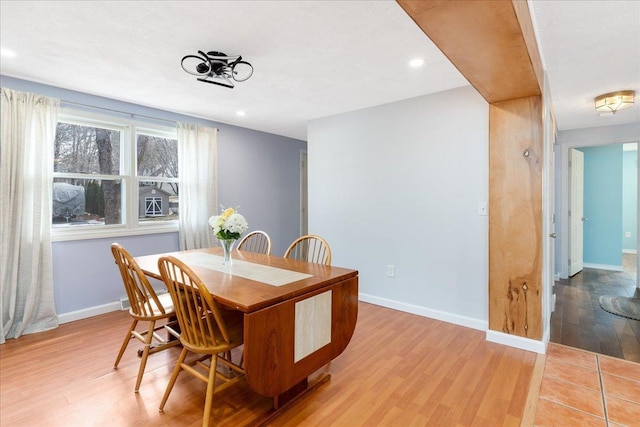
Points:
(165, 301)
(234, 321)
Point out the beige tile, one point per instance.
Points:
(620, 368)
(621, 387)
(571, 373)
(622, 412)
(572, 356)
(572, 395)
(550, 414)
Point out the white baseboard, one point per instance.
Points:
(630, 251)
(517, 342)
(603, 266)
(72, 316)
(456, 319)
(481, 325)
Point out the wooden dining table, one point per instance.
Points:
(298, 316)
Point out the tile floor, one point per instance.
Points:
(580, 388)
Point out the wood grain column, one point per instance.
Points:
(515, 217)
(492, 43)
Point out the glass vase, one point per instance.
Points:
(227, 246)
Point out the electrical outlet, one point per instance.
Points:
(627, 234)
(391, 271)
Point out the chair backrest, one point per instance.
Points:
(310, 248)
(201, 324)
(142, 297)
(256, 241)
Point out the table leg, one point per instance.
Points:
(288, 398)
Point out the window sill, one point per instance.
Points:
(87, 233)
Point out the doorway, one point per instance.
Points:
(578, 319)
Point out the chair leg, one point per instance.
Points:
(211, 385)
(127, 338)
(173, 378)
(145, 353)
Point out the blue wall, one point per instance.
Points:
(630, 199)
(257, 171)
(603, 205)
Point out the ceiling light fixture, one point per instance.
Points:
(241, 113)
(614, 101)
(217, 68)
(416, 63)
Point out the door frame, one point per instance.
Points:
(304, 198)
(589, 137)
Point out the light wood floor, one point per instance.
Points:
(398, 370)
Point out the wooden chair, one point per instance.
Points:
(310, 248)
(146, 306)
(206, 330)
(256, 241)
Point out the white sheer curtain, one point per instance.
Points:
(26, 172)
(198, 169)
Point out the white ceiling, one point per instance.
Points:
(311, 58)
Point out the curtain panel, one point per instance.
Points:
(198, 197)
(28, 129)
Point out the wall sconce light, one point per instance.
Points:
(614, 101)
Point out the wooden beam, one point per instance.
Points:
(515, 217)
(485, 41)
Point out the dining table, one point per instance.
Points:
(298, 316)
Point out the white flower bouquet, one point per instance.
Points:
(229, 225)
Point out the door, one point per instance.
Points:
(576, 214)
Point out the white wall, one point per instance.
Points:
(400, 184)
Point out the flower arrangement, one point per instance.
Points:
(229, 225)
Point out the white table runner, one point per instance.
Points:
(260, 273)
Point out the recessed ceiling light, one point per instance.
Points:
(7, 53)
(416, 63)
(241, 113)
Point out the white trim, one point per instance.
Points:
(630, 251)
(603, 266)
(557, 277)
(72, 316)
(517, 342)
(456, 319)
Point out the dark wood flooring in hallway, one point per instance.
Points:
(579, 321)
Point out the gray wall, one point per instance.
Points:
(257, 171)
(400, 184)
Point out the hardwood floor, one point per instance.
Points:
(580, 322)
(399, 370)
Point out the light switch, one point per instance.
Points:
(483, 208)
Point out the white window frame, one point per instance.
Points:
(129, 129)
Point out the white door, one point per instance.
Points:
(576, 214)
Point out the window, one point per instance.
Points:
(113, 177)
